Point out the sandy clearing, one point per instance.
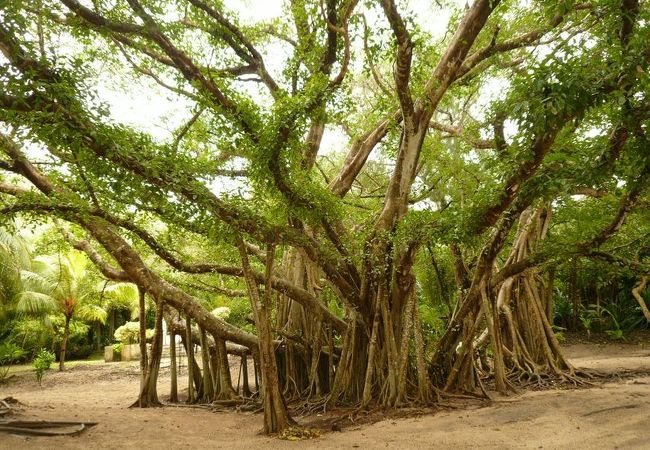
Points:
(615, 415)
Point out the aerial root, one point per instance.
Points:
(541, 379)
(309, 407)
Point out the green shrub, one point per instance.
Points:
(33, 334)
(47, 332)
(222, 312)
(117, 350)
(431, 317)
(559, 333)
(129, 333)
(9, 353)
(42, 362)
(616, 334)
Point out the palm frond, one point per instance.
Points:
(10, 283)
(92, 313)
(30, 302)
(121, 295)
(34, 281)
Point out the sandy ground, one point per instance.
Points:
(614, 415)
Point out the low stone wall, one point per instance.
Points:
(129, 352)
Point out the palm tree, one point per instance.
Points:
(65, 285)
(14, 258)
(23, 291)
(53, 284)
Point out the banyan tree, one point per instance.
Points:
(313, 159)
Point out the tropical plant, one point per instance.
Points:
(65, 286)
(116, 296)
(129, 333)
(117, 349)
(13, 258)
(9, 352)
(16, 278)
(42, 362)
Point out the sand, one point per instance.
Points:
(612, 415)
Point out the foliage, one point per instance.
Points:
(240, 314)
(9, 353)
(47, 332)
(117, 349)
(559, 333)
(222, 312)
(616, 334)
(42, 362)
(129, 333)
(116, 296)
(432, 321)
(72, 285)
(562, 309)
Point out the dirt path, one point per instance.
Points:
(616, 415)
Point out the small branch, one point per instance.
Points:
(373, 69)
(453, 131)
(185, 128)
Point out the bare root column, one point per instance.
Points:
(211, 380)
(511, 321)
(148, 391)
(348, 382)
(532, 352)
(305, 367)
(382, 360)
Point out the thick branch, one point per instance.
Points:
(402, 71)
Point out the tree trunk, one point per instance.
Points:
(349, 378)
(276, 416)
(64, 342)
(550, 301)
(189, 351)
(525, 348)
(98, 336)
(149, 391)
(575, 297)
(246, 390)
(637, 292)
(298, 360)
(444, 289)
(173, 367)
(207, 378)
(111, 326)
(223, 389)
(143, 337)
